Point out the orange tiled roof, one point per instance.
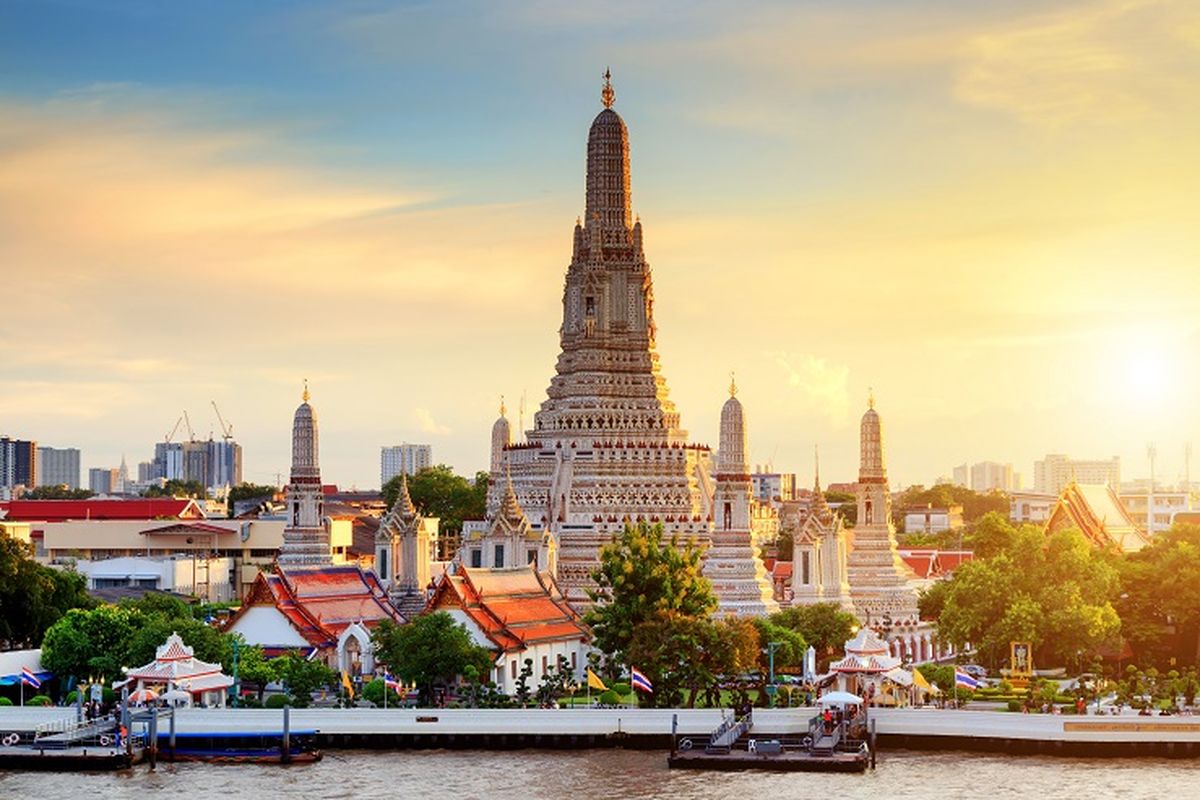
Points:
(320, 602)
(1099, 514)
(512, 607)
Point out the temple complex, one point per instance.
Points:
(732, 564)
(306, 536)
(879, 588)
(606, 448)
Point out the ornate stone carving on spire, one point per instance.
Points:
(606, 445)
(878, 577)
(305, 537)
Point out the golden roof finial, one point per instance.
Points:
(870, 397)
(305, 395)
(607, 94)
(502, 405)
(732, 385)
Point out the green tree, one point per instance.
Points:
(302, 677)
(641, 578)
(1160, 593)
(60, 492)
(791, 649)
(33, 597)
(91, 643)
(431, 650)
(846, 504)
(248, 491)
(438, 492)
(825, 626)
(1055, 591)
(177, 488)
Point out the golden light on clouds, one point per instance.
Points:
(988, 214)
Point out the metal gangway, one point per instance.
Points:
(728, 732)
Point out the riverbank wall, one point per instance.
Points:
(500, 729)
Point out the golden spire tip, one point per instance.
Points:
(305, 395)
(607, 95)
(732, 385)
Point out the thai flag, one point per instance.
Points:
(29, 679)
(640, 681)
(391, 683)
(964, 681)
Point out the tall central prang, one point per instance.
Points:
(606, 448)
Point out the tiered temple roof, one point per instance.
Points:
(1099, 514)
(320, 602)
(513, 607)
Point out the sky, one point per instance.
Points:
(985, 212)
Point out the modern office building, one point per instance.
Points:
(1055, 471)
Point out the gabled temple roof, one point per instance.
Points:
(320, 602)
(513, 607)
(1099, 514)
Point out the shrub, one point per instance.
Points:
(609, 698)
(4, 701)
(39, 700)
(277, 701)
(622, 688)
(1014, 705)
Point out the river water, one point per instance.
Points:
(577, 775)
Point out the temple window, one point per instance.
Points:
(531, 557)
(804, 570)
(870, 515)
(476, 557)
(589, 306)
(728, 516)
(383, 565)
(499, 556)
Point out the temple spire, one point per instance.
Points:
(404, 500)
(607, 95)
(304, 396)
(732, 385)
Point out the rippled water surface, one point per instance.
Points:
(466, 775)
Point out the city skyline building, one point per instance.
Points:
(59, 466)
(18, 464)
(405, 458)
(1052, 474)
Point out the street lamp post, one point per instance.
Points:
(771, 689)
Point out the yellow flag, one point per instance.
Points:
(921, 682)
(594, 681)
(349, 686)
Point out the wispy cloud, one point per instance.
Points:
(427, 424)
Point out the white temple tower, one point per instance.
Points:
(305, 537)
(606, 449)
(819, 555)
(738, 576)
(405, 546)
(878, 578)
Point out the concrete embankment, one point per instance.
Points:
(651, 728)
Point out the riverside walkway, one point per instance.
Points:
(582, 728)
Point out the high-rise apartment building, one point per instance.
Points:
(18, 463)
(1056, 470)
(989, 475)
(407, 458)
(102, 480)
(58, 466)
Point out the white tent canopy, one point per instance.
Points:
(839, 699)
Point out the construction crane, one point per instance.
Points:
(188, 423)
(226, 430)
(174, 430)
